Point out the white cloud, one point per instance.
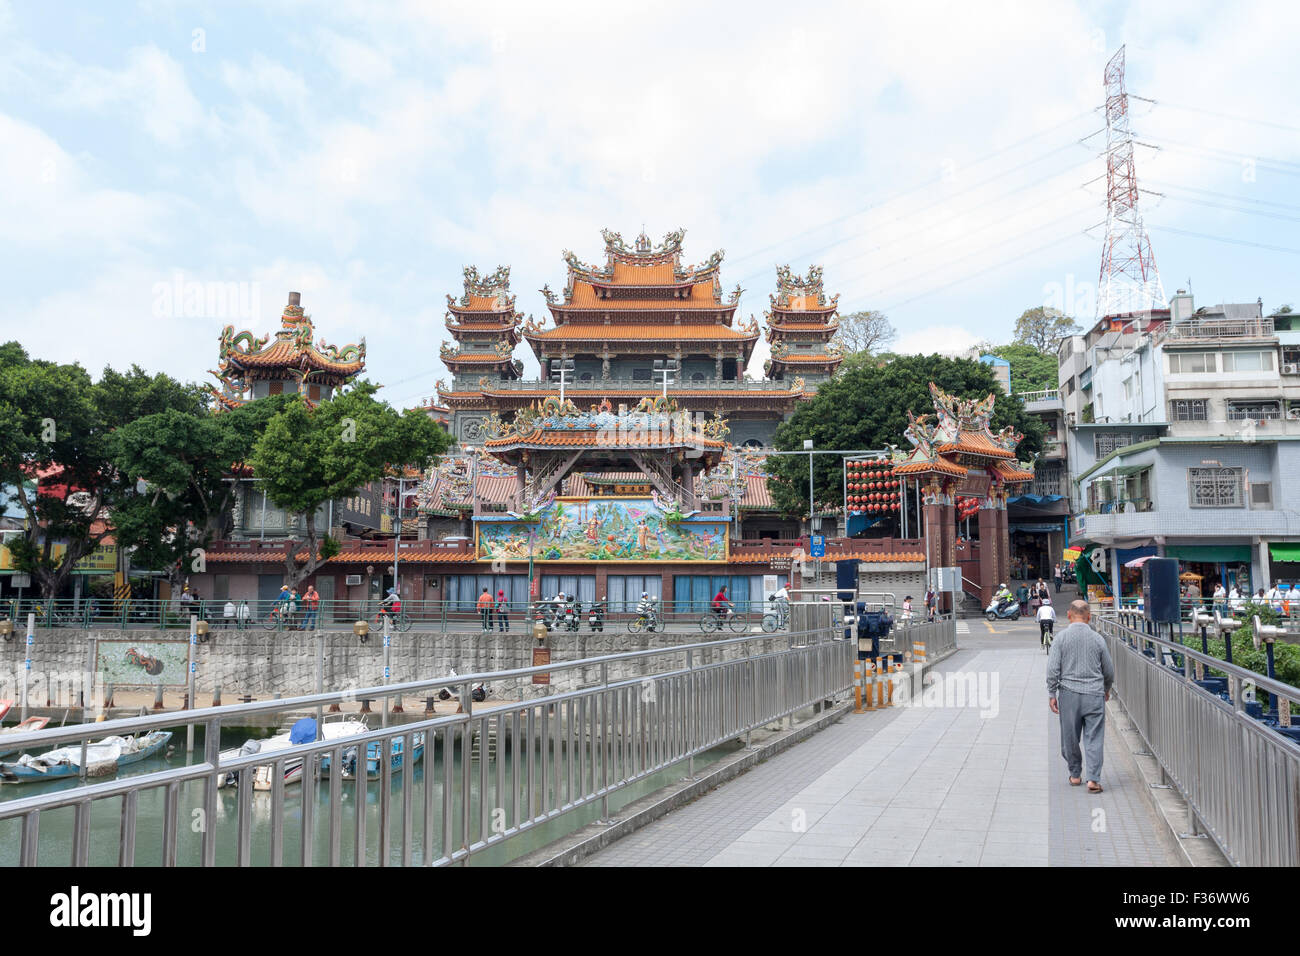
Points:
(944, 339)
(151, 89)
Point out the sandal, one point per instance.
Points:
(1094, 786)
(1075, 781)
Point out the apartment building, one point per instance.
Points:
(1182, 429)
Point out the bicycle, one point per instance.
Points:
(401, 621)
(713, 621)
(277, 618)
(649, 622)
(775, 620)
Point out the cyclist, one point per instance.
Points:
(1046, 621)
(390, 606)
(283, 608)
(646, 609)
(721, 605)
(781, 602)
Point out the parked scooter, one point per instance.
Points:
(1006, 610)
(596, 616)
(572, 619)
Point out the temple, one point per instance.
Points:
(800, 327)
(248, 367)
(613, 323)
(638, 463)
(955, 453)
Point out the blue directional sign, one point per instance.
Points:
(817, 547)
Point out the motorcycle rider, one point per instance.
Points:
(1003, 597)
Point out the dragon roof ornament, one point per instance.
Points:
(494, 284)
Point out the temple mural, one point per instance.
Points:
(603, 529)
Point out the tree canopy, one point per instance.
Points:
(308, 455)
(865, 407)
(1031, 370)
(868, 331)
(59, 429)
(1043, 327)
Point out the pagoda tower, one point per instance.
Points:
(800, 327)
(485, 325)
(250, 367)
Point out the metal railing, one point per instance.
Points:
(272, 615)
(1219, 329)
(1042, 395)
(1240, 778)
(488, 776)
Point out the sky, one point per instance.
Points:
(944, 163)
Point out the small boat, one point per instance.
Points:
(374, 769)
(4, 707)
(302, 732)
(30, 725)
(103, 758)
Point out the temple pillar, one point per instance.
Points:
(521, 478)
(995, 545)
(717, 366)
(604, 366)
(940, 531)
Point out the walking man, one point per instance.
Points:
(310, 601)
(1056, 577)
(1079, 677)
(485, 610)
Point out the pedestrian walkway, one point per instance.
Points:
(981, 784)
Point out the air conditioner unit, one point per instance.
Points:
(1293, 413)
(1291, 368)
(352, 580)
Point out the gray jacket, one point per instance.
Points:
(1079, 662)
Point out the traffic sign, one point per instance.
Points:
(817, 547)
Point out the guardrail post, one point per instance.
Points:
(189, 700)
(388, 640)
(687, 722)
(27, 664)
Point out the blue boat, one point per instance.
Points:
(103, 758)
(374, 769)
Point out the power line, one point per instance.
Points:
(1228, 239)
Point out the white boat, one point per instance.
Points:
(299, 733)
(103, 758)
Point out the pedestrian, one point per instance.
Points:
(1194, 595)
(242, 614)
(485, 610)
(187, 601)
(1079, 678)
(1056, 577)
(228, 614)
(1046, 617)
(310, 603)
(1220, 598)
(1022, 595)
(907, 611)
(295, 600)
(930, 601)
(503, 611)
(1235, 601)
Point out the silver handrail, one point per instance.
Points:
(1240, 779)
(640, 712)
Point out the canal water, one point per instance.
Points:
(56, 826)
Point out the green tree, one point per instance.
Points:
(182, 460)
(58, 429)
(1043, 327)
(308, 456)
(1031, 370)
(865, 407)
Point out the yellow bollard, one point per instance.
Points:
(857, 687)
(918, 651)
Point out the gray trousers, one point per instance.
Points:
(1082, 715)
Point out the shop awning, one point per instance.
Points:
(1210, 553)
(1289, 551)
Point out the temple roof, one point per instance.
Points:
(959, 437)
(244, 357)
(796, 293)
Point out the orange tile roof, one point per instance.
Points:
(584, 297)
(975, 443)
(802, 357)
(1010, 473)
(873, 557)
(801, 327)
(282, 353)
(941, 465)
(476, 357)
(485, 303)
(694, 330)
(626, 273)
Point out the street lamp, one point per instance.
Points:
(665, 368)
(560, 370)
(808, 447)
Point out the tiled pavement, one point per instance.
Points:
(928, 785)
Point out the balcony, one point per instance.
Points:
(1041, 402)
(1220, 330)
(597, 385)
(1181, 522)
